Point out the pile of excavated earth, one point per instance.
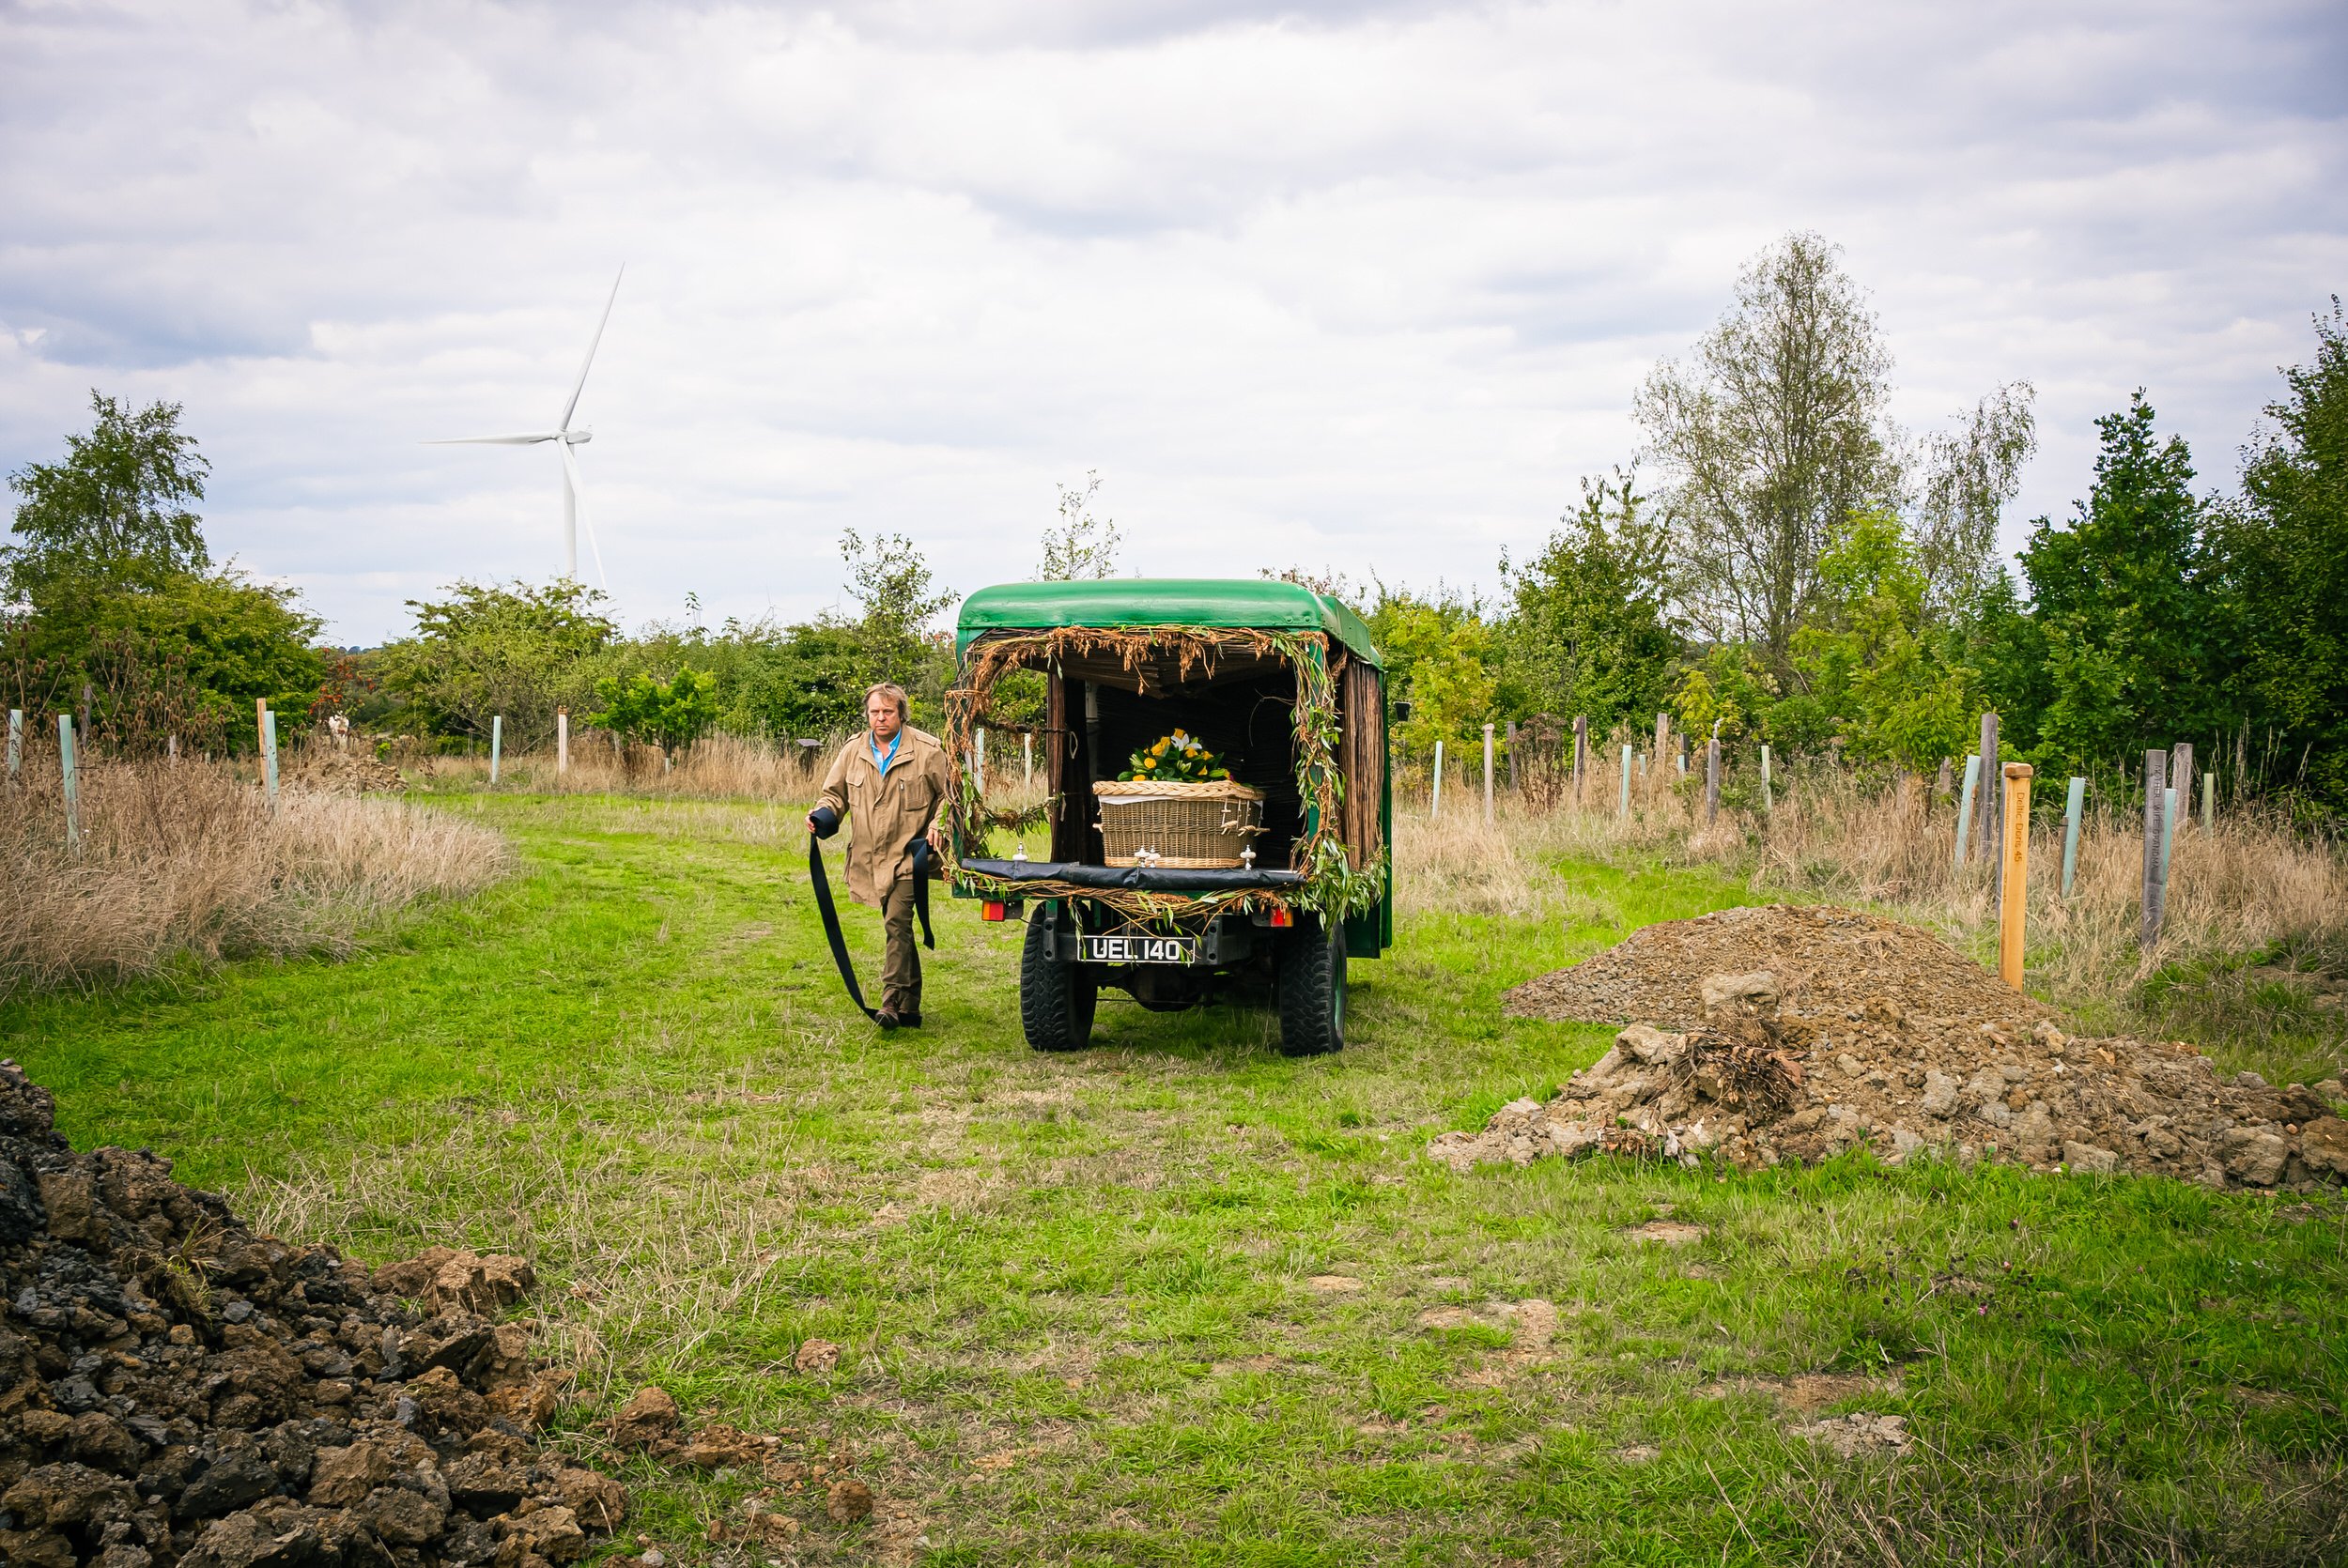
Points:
(328, 769)
(1759, 1035)
(174, 1390)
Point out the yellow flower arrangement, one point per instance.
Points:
(1179, 757)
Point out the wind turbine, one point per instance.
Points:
(565, 437)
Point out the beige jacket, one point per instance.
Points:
(887, 813)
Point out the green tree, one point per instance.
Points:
(1080, 546)
(898, 597)
(2124, 599)
(1866, 660)
(779, 680)
(115, 507)
(234, 639)
(119, 595)
(1770, 440)
(1968, 476)
(1587, 629)
(1730, 687)
(1439, 658)
(488, 650)
(1997, 638)
(2285, 552)
(668, 714)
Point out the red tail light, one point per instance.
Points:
(991, 910)
(1284, 917)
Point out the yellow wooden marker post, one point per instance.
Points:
(2014, 886)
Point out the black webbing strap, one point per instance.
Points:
(831, 925)
(921, 847)
(839, 940)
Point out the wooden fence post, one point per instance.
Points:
(2156, 895)
(497, 744)
(16, 743)
(1488, 775)
(2014, 894)
(1434, 798)
(72, 788)
(1622, 808)
(1712, 775)
(1965, 808)
(2071, 809)
(562, 742)
(1512, 756)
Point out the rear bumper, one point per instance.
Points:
(1139, 879)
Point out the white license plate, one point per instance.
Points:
(1130, 948)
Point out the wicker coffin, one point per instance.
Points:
(1183, 826)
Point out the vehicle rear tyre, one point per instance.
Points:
(1055, 999)
(1312, 990)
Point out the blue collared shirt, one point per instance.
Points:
(882, 759)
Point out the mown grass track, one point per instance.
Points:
(1078, 1294)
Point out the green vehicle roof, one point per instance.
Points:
(1258, 602)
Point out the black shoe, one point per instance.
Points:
(885, 1019)
(911, 1020)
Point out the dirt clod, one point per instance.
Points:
(649, 1420)
(446, 1278)
(1853, 1435)
(847, 1500)
(1765, 1035)
(816, 1355)
(179, 1392)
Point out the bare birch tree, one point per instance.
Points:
(1969, 475)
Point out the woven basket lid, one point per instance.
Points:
(1147, 789)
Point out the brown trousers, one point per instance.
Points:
(900, 968)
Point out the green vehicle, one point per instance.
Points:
(1212, 761)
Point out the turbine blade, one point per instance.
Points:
(578, 495)
(496, 440)
(579, 385)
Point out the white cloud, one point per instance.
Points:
(1356, 285)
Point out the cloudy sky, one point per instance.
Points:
(1356, 286)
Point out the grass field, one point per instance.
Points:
(1180, 1301)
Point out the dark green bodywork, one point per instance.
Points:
(1219, 602)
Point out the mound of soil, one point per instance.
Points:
(1798, 1034)
(177, 1390)
(325, 770)
(1826, 961)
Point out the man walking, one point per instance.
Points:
(891, 779)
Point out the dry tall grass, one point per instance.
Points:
(184, 858)
(2251, 884)
(716, 767)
